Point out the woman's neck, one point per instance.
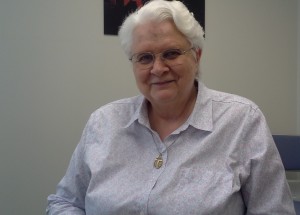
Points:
(166, 118)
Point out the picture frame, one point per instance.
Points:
(115, 12)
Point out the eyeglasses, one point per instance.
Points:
(145, 60)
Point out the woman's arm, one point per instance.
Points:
(71, 190)
(266, 191)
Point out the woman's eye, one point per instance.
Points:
(171, 54)
(145, 58)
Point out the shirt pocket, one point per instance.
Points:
(208, 187)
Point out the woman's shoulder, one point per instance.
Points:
(119, 109)
(225, 98)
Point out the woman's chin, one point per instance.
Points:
(163, 97)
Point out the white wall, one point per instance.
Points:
(251, 51)
(56, 67)
(298, 60)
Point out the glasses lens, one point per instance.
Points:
(145, 58)
(171, 54)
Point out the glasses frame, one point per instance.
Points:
(135, 60)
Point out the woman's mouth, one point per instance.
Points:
(160, 83)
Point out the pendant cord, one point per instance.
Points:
(158, 162)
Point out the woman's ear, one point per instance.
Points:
(198, 52)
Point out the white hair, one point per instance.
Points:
(160, 10)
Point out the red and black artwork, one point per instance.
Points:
(116, 10)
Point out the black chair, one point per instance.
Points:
(289, 150)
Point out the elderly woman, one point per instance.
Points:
(179, 148)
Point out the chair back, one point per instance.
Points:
(289, 150)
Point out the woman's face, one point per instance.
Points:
(164, 81)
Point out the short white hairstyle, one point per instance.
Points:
(161, 10)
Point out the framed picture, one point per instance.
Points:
(116, 10)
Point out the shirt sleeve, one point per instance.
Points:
(71, 190)
(266, 190)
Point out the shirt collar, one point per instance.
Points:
(201, 117)
(140, 113)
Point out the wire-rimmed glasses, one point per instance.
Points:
(145, 60)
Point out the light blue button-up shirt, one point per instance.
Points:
(221, 161)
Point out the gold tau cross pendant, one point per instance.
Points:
(158, 162)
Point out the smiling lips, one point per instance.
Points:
(160, 83)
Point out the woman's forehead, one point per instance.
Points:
(157, 33)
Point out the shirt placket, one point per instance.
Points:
(162, 148)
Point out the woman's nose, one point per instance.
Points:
(159, 66)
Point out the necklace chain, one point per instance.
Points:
(159, 161)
